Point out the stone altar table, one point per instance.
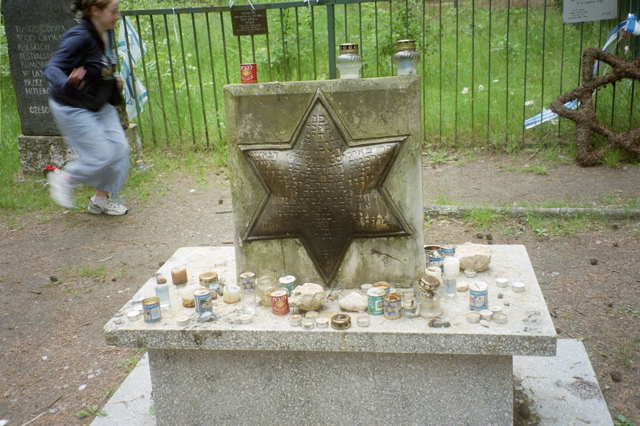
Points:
(394, 371)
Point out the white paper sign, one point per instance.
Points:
(588, 10)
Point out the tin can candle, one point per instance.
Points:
(478, 295)
(340, 322)
(279, 302)
(288, 282)
(208, 278)
(202, 299)
(383, 285)
(374, 305)
(179, 275)
(247, 280)
(392, 305)
(248, 73)
(151, 309)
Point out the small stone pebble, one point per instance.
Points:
(593, 261)
(489, 237)
(616, 376)
(438, 323)
(53, 279)
(500, 295)
(479, 236)
(484, 323)
(616, 244)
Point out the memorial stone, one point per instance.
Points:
(326, 179)
(34, 30)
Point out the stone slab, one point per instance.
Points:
(555, 405)
(529, 330)
(329, 388)
(563, 389)
(132, 403)
(34, 30)
(36, 152)
(328, 178)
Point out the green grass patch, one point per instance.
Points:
(483, 218)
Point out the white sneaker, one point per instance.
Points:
(107, 207)
(61, 191)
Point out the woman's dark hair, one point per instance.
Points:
(82, 8)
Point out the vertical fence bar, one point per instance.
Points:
(298, 45)
(331, 39)
(173, 80)
(213, 77)
(489, 75)
(199, 66)
(560, 89)
(375, 24)
(268, 41)
(313, 42)
(542, 65)
(253, 49)
(506, 90)
(457, 33)
(284, 46)
(224, 49)
(146, 79)
(473, 69)
(163, 107)
(361, 44)
(186, 79)
(133, 86)
(526, 59)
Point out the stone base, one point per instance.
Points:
(36, 152)
(258, 387)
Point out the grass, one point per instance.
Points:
(483, 218)
(90, 410)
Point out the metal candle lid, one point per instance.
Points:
(406, 44)
(349, 48)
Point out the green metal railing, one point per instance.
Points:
(486, 65)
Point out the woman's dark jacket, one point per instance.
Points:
(81, 46)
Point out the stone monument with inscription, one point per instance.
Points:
(326, 179)
(34, 30)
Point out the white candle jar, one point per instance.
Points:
(407, 58)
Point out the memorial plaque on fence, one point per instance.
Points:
(34, 30)
(249, 22)
(574, 11)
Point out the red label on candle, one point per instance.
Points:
(248, 73)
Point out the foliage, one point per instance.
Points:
(91, 410)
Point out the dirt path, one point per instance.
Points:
(62, 278)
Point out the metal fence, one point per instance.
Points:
(486, 65)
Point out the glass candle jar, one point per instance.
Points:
(429, 293)
(265, 285)
(406, 58)
(349, 61)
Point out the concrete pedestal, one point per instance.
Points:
(36, 152)
(394, 371)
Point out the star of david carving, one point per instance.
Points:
(587, 154)
(325, 188)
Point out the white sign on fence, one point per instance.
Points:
(588, 10)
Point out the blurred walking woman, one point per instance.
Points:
(82, 89)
